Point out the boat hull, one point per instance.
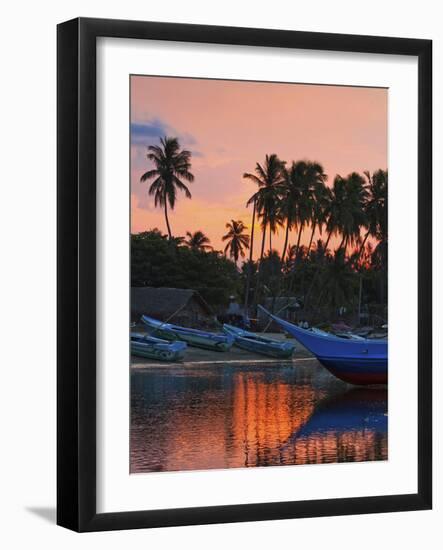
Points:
(355, 371)
(151, 352)
(195, 338)
(355, 361)
(258, 344)
(155, 348)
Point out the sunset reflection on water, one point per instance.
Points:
(197, 418)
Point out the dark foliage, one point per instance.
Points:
(157, 262)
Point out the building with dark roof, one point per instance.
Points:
(180, 305)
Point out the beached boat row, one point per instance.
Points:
(354, 359)
(168, 342)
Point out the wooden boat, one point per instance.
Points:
(144, 345)
(360, 362)
(259, 344)
(193, 337)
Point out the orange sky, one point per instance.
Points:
(230, 125)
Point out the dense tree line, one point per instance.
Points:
(290, 197)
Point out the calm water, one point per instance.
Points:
(196, 418)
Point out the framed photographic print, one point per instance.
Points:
(244, 274)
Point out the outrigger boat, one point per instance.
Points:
(259, 344)
(355, 361)
(144, 345)
(193, 337)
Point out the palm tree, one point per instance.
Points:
(237, 240)
(250, 262)
(172, 165)
(353, 215)
(320, 204)
(290, 200)
(198, 241)
(269, 179)
(345, 211)
(275, 218)
(303, 183)
(376, 207)
(333, 208)
(338, 282)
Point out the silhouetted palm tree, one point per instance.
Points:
(269, 178)
(250, 262)
(172, 165)
(198, 241)
(275, 219)
(237, 240)
(352, 210)
(376, 207)
(320, 203)
(333, 211)
(338, 282)
(291, 197)
(311, 176)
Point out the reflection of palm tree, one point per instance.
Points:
(198, 241)
(171, 166)
(237, 240)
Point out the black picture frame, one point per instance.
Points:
(76, 296)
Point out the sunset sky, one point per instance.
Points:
(230, 125)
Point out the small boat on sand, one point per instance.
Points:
(143, 345)
(193, 337)
(356, 361)
(259, 344)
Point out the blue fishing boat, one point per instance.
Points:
(355, 361)
(259, 344)
(193, 337)
(143, 345)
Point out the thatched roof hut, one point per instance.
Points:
(181, 305)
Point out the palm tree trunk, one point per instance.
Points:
(327, 240)
(285, 246)
(342, 242)
(298, 241)
(314, 225)
(270, 240)
(362, 245)
(167, 219)
(262, 251)
(294, 268)
(251, 252)
(314, 279)
(265, 223)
